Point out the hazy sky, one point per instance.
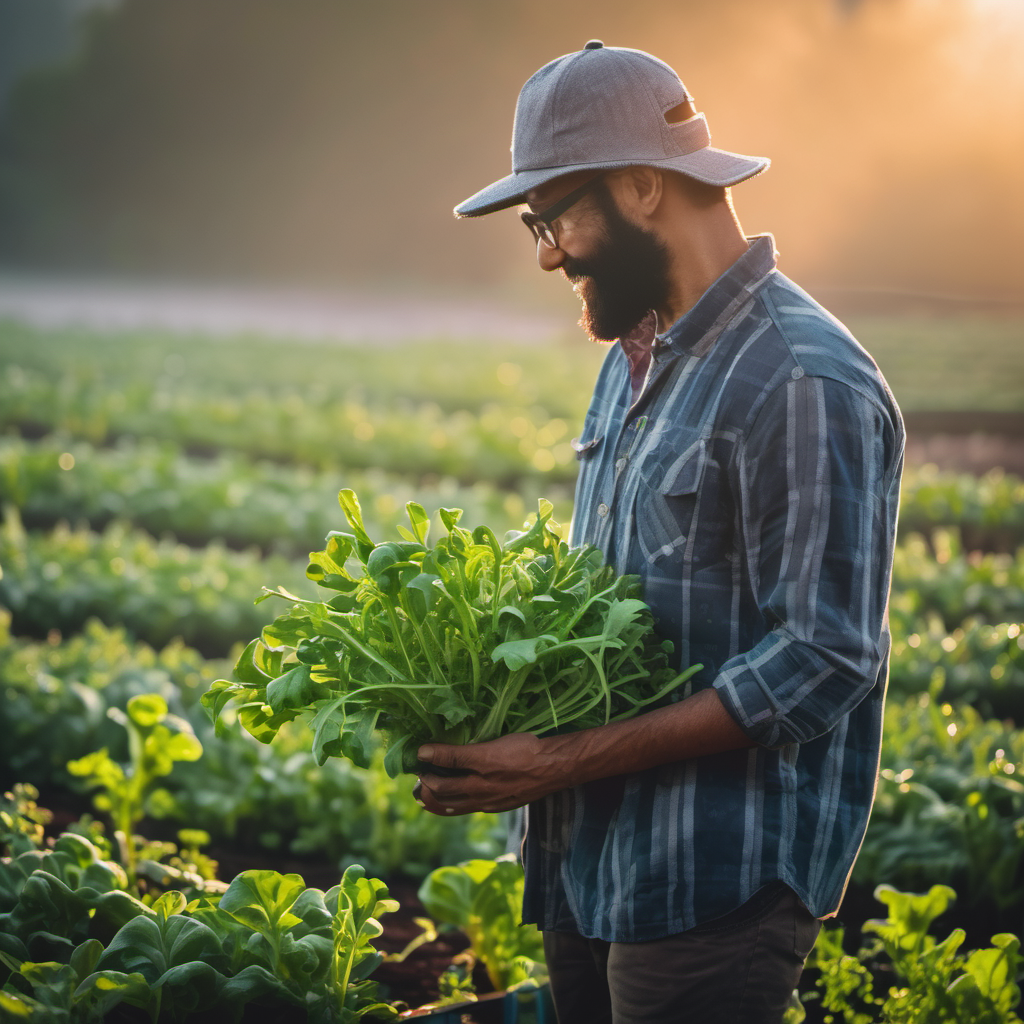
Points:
(330, 139)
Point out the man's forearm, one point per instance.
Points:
(521, 768)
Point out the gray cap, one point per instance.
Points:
(604, 107)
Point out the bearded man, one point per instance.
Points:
(742, 455)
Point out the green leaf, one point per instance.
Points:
(354, 514)
(246, 670)
(450, 517)
(151, 946)
(169, 904)
(250, 984)
(262, 900)
(449, 705)
(294, 690)
(622, 614)
(396, 758)
(101, 992)
(517, 654)
(262, 722)
(289, 630)
(423, 594)
(182, 746)
(418, 520)
(85, 957)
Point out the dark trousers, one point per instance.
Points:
(737, 969)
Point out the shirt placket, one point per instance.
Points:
(630, 433)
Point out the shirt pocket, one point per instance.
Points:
(666, 508)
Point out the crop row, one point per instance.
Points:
(499, 439)
(500, 443)
(161, 589)
(978, 663)
(290, 509)
(160, 489)
(935, 575)
(454, 375)
(950, 804)
(157, 589)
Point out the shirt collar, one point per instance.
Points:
(698, 328)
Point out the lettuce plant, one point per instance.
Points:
(484, 899)
(460, 642)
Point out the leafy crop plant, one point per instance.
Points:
(460, 642)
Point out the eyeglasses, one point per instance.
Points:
(542, 225)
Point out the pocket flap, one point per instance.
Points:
(684, 475)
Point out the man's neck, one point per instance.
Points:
(706, 247)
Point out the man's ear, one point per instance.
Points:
(640, 189)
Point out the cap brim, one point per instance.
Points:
(709, 165)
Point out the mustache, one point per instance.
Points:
(575, 270)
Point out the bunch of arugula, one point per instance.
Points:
(461, 642)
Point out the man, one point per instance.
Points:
(742, 454)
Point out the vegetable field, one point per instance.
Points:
(151, 486)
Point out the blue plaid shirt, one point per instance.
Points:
(753, 486)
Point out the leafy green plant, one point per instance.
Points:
(930, 981)
(156, 741)
(75, 942)
(461, 642)
(950, 804)
(484, 899)
(21, 819)
(268, 941)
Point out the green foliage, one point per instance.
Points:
(268, 942)
(977, 664)
(987, 509)
(950, 804)
(156, 741)
(63, 688)
(228, 497)
(462, 642)
(484, 899)
(21, 819)
(240, 791)
(930, 981)
(158, 590)
(311, 424)
(935, 576)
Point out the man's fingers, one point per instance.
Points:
(441, 755)
(434, 802)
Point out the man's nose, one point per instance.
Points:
(549, 259)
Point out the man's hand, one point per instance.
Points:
(502, 774)
(518, 769)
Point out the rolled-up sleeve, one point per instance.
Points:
(817, 469)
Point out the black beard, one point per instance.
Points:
(624, 280)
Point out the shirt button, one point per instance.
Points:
(602, 510)
(797, 373)
(621, 465)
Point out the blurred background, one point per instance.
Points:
(324, 144)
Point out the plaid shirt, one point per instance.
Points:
(753, 485)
